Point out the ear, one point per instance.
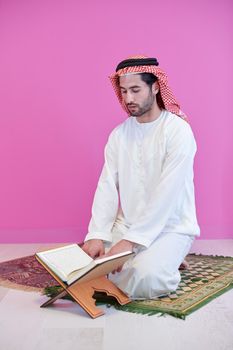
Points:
(155, 88)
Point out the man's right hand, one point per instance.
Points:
(94, 248)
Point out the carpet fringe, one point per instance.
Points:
(211, 256)
(8, 284)
(143, 311)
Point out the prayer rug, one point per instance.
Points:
(25, 274)
(206, 278)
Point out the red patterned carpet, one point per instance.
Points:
(25, 273)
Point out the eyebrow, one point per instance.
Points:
(131, 87)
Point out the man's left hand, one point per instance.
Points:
(120, 247)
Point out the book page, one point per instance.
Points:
(95, 270)
(65, 259)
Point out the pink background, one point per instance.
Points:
(57, 106)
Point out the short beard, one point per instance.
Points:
(146, 107)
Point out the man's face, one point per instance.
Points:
(136, 94)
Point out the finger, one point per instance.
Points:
(99, 253)
(101, 256)
(107, 254)
(102, 251)
(92, 254)
(85, 249)
(119, 268)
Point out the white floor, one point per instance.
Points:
(64, 326)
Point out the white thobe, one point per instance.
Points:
(146, 188)
(150, 165)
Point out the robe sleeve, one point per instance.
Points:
(106, 199)
(180, 152)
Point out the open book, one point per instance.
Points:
(70, 263)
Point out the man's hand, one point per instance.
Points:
(120, 247)
(94, 248)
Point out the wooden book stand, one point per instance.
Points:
(82, 292)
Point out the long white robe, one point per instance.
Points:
(150, 165)
(146, 192)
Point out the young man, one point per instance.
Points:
(145, 200)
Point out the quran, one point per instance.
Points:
(71, 264)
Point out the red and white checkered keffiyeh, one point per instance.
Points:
(167, 96)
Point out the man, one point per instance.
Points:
(145, 200)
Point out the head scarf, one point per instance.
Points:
(143, 64)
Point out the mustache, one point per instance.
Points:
(131, 105)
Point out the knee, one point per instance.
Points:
(153, 282)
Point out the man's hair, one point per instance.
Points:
(150, 79)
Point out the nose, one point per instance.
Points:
(128, 97)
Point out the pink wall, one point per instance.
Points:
(57, 106)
